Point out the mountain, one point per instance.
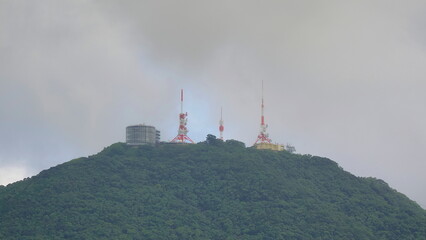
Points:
(209, 190)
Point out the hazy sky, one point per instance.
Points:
(343, 79)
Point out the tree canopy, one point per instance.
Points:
(210, 190)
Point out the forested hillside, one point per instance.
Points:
(209, 190)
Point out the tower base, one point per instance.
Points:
(182, 139)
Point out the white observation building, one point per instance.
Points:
(142, 135)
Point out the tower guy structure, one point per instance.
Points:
(263, 141)
(182, 131)
(221, 128)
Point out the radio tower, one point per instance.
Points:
(182, 131)
(221, 128)
(263, 136)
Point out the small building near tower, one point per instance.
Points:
(142, 134)
(269, 146)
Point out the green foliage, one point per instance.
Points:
(235, 143)
(211, 190)
(212, 140)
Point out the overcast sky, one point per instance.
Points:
(343, 79)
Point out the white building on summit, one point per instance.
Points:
(142, 135)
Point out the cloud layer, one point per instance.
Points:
(343, 80)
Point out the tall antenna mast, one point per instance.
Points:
(181, 100)
(221, 128)
(263, 136)
(182, 131)
(263, 106)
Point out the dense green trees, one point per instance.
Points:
(210, 190)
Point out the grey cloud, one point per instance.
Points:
(342, 79)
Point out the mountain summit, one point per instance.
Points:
(209, 190)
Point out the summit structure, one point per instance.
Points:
(263, 141)
(221, 127)
(263, 136)
(182, 131)
(142, 134)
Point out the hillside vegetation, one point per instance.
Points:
(210, 190)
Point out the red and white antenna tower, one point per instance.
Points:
(263, 136)
(221, 128)
(182, 131)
